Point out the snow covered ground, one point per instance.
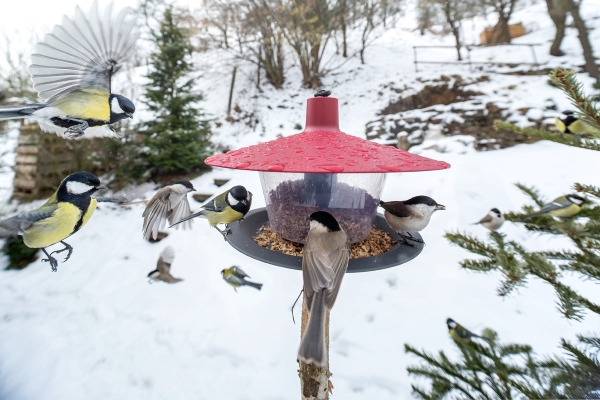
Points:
(97, 330)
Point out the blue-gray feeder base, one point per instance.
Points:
(243, 232)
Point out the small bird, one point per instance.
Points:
(461, 334)
(324, 263)
(411, 215)
(163, 267)
(228, 207)
(72, 70)
(236, 277)
(568, 122)
(563, 207)
(492, 221)
(169, 203)
(65, 213)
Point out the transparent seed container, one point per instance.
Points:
(352, 198)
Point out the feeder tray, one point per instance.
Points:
(243, 233)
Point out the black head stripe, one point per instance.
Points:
(187, 184)
(239, 192)
(421, 200)
(326, 219)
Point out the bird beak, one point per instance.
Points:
(129, 115)
(440, 207)
(101, 187)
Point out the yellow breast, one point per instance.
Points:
(226, 217)
(85, 104)
(53, 229)
(566, 212)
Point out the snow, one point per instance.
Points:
(96, 329)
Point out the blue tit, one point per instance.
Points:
(169, 203)
(563, 207)
(65, 213)
(324, 263)
(236, 277)
(72, 70)
(410, 215)
(461, 334)
(163, 267)
(228, 207)
(568, 122)
(492, 221)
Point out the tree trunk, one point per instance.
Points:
(557, 9)
(314, 381)
(500, 33)
(456, 33)
(588, 53)
(343, 19)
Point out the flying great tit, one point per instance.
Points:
(461, 334)
(228, 207)
(236, 277)
(324, 263)
(492, 221)
(568, 122)
(563, 207)
(72, 70)
(65, 213)
(163, 267)
(411, 215)
(169, 203)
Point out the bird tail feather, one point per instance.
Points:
(312, 346)
(200, 213)
(255, 285)
(14, 112)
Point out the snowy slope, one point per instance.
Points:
(97, 330)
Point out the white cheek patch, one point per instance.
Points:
(452, 325)
(115, 107)
(78, 187)
(231, 200)
(317, 226)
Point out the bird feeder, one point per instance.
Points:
(320, 169)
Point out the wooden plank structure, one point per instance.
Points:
(514, 30)
(43, 160)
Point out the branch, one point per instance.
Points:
(563, 138)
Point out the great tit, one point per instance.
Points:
(169, 203)
(461, 334)
(563, 207)
(72, 70)
(492, 221)
(410, 215)
(324, 263)
(163, 267)
(568, 122)
(228, 207)
(236, 277)
(65, 213)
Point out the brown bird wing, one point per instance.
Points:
(396, 208)
(487, 218)
(156, 213)
(166, 258)
(180, 211)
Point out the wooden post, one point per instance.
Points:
(314, 381)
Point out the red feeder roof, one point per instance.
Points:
(323, 148)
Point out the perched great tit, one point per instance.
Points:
(236, 277)
(411, 215)
(228, 207)
(568, 122)
(163, 267)
(65, 213)
(72, 70)
(492, 221)
(169, 203)
(461, 334)
(563, 207)
(324, 263)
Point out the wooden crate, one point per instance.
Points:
(514, 30)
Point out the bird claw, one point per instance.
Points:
(77, 131)
(414, 239)
(66, 248)
(52, 261)
(406, 242)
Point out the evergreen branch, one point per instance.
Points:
(566, 80)
(558, 137)
(469, 243)
(531, 192)
(588, 189)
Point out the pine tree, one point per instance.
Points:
(577, 377)
(175, 140)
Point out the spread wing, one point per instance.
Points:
(118, 199)
(324, 270)
(18, 224)
(166, 258)
(156, 213)
(237, 271)
(180, 211)
(83, 52)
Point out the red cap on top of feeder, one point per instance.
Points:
(323, 148)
